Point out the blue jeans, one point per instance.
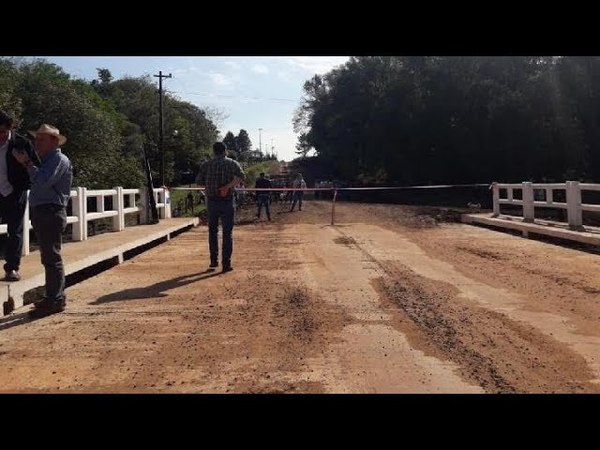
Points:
(263, 199)
(223, 209)
(12, 208)
(298, 196)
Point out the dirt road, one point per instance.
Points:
(389, 300)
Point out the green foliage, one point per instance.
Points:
(244, 144)
(429, 120)
(106, 122)
(253, 171)
(231, 143)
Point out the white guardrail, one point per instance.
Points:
(124, 201)
(542, 195)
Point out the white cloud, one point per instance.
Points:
(260, 68)
(285, 75)
(233, 65)
(220, 79)
(316, 64)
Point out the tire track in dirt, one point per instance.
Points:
(499, 354)
(495, 352)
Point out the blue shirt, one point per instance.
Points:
(51, 182)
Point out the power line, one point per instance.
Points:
(210, 94)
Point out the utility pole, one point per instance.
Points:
(160, 77)
(259, 139)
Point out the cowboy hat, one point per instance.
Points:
(53, 131)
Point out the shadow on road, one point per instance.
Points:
(157, 289)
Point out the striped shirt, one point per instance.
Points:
(218, 172)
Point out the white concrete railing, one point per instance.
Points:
(531, 198)
(81, 216)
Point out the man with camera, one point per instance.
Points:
(14, 182)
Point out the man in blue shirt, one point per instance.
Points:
(50, 192)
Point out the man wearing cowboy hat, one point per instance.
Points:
(14, 182)
(50, 192)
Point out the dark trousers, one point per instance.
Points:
(298, 196)
(49, 221)
(264, 200)
(12, 208)
(220, 209)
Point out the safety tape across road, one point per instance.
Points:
(374, 188)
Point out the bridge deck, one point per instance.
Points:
(589, 235)
(108, 248)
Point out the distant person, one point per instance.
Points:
(14, 183)
(263, 197)
(50, 192)
(220, 175)
(288, 194)
(189, 204)
(298, 183)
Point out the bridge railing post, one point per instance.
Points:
(144, 201)
(496, 199)
(167, 200)
(118, 221)
(78, 211)
(574, 211)
(528, 206)
(25, 249)
(84, 222)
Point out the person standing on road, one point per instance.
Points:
(220, 175)
(14, 183)
(299, 183)
(263, 197)
(50, 192)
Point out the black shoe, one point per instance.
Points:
(214, 264)
(46, 308)
(227, 268)
(12, 275)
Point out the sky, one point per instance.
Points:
(251, 92)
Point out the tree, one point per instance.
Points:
(106, 121)
(420, 120)
(230, 141)
(244, 144)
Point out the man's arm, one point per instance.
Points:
(45, 176)
(48, 175)
(33, 156)
(224, 190)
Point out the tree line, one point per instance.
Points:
(107, 122)
(240, 148)
(431, 120)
